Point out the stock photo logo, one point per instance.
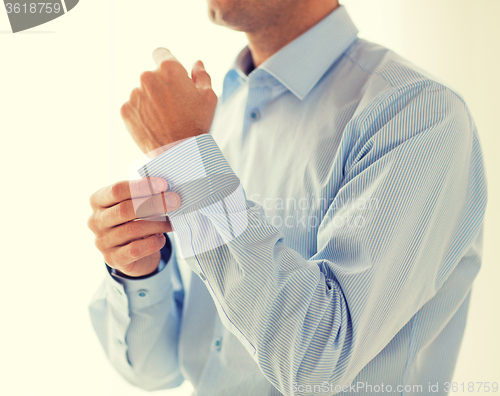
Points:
(27, 14)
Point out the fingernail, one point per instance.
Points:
(171, 201)
(159, 185)
(201, 63)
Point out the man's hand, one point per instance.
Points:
(130, 245)
(169, 106)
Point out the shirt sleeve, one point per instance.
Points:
(137, 322)
(411, 173)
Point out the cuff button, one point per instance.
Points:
(218, 344)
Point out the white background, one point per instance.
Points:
(61, 88)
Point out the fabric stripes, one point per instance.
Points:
(329, 235)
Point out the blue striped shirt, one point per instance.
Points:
(328, 238)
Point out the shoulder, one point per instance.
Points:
(395, 94)
(393, 82)
(400, 106)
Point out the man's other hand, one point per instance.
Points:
(128, 243)
(169, 106)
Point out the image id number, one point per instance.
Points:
(471, 387)
(33, 8)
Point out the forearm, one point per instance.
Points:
(289, 312)
(306, 320)
(251, 274)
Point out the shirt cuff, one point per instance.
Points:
(142, 291)
(196, 170)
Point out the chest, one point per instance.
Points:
(288, 159)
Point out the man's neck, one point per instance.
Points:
(264, 43)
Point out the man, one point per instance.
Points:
(328, 228)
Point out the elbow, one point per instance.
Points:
(150, 375)
(151, 386)
(150, 383)
(315, 386)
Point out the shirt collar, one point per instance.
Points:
(300, 64)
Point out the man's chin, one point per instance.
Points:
(217, 18)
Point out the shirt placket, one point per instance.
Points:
(258, 97)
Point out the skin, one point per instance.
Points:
(269, 25)
(130, 245)
(171, 106)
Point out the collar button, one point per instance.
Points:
(255, 115)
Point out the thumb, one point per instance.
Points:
(200, 76)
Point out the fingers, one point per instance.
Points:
(125, 190)
(135, 98)
(203, 83)
(131, 231)
(123, 256)
(125, 211)
(162, 54)
(156, 205)
(168, 66)
(200, 76)
(152, 84)
(128, 242)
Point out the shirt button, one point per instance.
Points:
(142, 293)
(203, 277)
(218, 344)
(255, 115)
